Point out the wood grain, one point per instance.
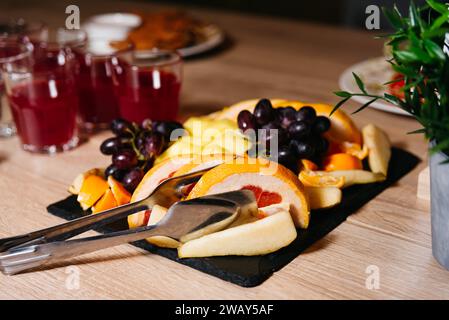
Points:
(268, 58)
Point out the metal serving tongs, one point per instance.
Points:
(184, 221)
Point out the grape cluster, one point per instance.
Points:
(134, 148)
(299, 133)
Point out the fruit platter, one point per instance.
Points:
(308, 167)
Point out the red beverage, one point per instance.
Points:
(98, 102)
(148, 85)
(44, 112)
(156, 97)
(43, 96)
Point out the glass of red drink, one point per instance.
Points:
(148, 84)
(98, 102)
(43, 95)
(12, 44)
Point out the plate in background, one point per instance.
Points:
(374, 72)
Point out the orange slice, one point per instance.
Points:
(122, 196)
(91, 191)
(308, 165)
(351, 148)
(320, 179)
(341, 161)
(277, 186)
(106, 202)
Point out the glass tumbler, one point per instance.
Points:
(43, 95)
(12, 39)
(98, 102)
(148, 84)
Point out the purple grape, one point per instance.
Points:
(282, 135)
(299, 130)
(286, 116)
(114, 145)
(302, 149)
(132, 179)
(321, 125)
(114, 172)
(321, 145)
(153, 145)
(246, 121)
(263, 112)
(307, 114)
(125, 159)
(122, 128)
(166, 128)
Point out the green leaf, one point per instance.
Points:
(434, 50)
(343, 94)
(439, 7)
(365, 105)
(394, 17)
(359, 82)
(443, 145)
(406, 56)
(415, 19)
(339, 104)
(393, 99)
(419, 131)
(439, 22)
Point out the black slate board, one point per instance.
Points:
(252, 271)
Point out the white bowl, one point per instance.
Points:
(127, 20)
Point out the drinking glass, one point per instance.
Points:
(148, 84)
(98, 102)
(12, 34)
(43, 94)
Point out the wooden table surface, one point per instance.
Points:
(268, 58)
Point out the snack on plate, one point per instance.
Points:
(291, 155)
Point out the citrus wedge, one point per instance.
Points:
(352, 177)
(320, 179)
(92, 189)
(277, 186)
(106, 202)
(341, 161)
(121, 195)
(76, 185)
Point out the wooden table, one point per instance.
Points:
(268, 58)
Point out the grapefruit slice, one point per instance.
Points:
(269, 188)
(150, 181)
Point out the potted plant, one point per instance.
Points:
(420, 54)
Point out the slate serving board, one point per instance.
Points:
(252, 271)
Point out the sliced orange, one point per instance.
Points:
(277, 186)
(351, 148)
(342, 161)
(106, 202)
(320, 179)
(309, 165)
(91, 191)
(122, 196)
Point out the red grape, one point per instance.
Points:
(246, 121)
(125, 159)
(263, 112)
(132, 179)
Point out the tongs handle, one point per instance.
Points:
(69, 229)
(23, 258)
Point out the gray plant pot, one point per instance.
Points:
(439, 193)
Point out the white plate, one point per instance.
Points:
(213, 37)
(374, 72)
